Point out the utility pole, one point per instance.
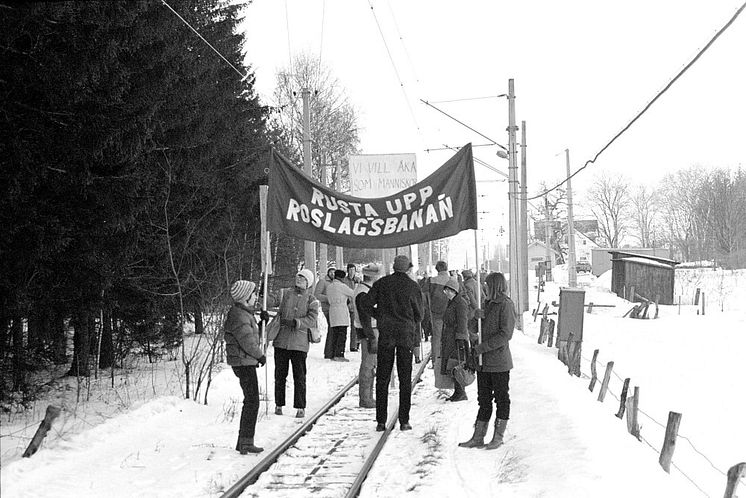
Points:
(548, 238)
(524, 222)
(323, 250)
(513, 211)
(572, 276)
(309, 248)
(338, 188)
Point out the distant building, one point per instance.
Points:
(651, 277)
(537, 254)
(601, 256)
(583, 248)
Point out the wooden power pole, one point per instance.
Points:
(309, 248)
(513, 211)
(524, 222)
(572, 276)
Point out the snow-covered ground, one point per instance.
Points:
(142, 439)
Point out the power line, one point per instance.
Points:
(321, 42)
(243, 76)
(471, 98)
(463, 124)
(649, 104)
(287, 30)
(396, 71)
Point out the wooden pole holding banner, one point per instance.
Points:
(479, 291)
(266, 270)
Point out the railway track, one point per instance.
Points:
(337, 454)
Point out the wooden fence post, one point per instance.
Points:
(679, 305)
(696, 297)
(543, 330)
(573, 357)
(551, 333)
(632, 404)
(703, 304)
(669, 441)
(623, 399)
(594, 375)
(46, 424)
(735, 473)
(605, 382)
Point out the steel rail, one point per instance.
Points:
(368, 464)
(251, 477)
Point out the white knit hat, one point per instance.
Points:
(241, 289)
(308, 275)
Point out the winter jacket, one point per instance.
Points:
(338, 295)
(396, 302)
(303, 307)
(362, 288)
(454, 328)
(497, 330)
(473, 296)
(241, 334)
(320, 293)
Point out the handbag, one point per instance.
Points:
(315, 333)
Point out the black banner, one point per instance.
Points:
(441, 205)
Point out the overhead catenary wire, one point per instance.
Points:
(287, 31)
(464, 124)
(243, 76)
(649, 104)
(396, 71)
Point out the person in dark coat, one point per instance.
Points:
(455, 337)
(244, 353)
(436, 307)
(298, 311)
(396, 302)
(493, 375)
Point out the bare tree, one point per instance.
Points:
(334, 127)
(610, 202)
(644, 214)
(682, 216)
(725, 209)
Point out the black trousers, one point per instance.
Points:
(283, 357)
(493, 385)
(247, 378)
(329, 340)
(339, 338)
(385, 364)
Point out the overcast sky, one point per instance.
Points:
(582, 69)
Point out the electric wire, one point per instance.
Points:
(463, 124)
(287, 30)
(469, 99)
(401, 40)
(243, 76)
(393, 65)
(321, 41)
(649, 104)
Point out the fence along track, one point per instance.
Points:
(332, 455)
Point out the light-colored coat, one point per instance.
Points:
(301, 306)
(338, 295)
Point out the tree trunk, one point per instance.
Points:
(19, 376)
(106, 360)
(35, 330)
(199, 325)
(81, 345)
(59, 337)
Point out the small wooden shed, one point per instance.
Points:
(651, 276)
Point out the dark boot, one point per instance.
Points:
(459, 393)
(477, 440)
(246, 445)
(497, 437)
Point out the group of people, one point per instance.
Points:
(387, 316)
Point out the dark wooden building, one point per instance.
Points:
(651, 276)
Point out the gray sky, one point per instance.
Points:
(582, 69)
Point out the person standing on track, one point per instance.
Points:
(437, 301)
(320, 294)
(493, 376)
(339, 295)
(244, 353)
(396, 302)
(299, 310)
(351, 280)
(366, 330)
